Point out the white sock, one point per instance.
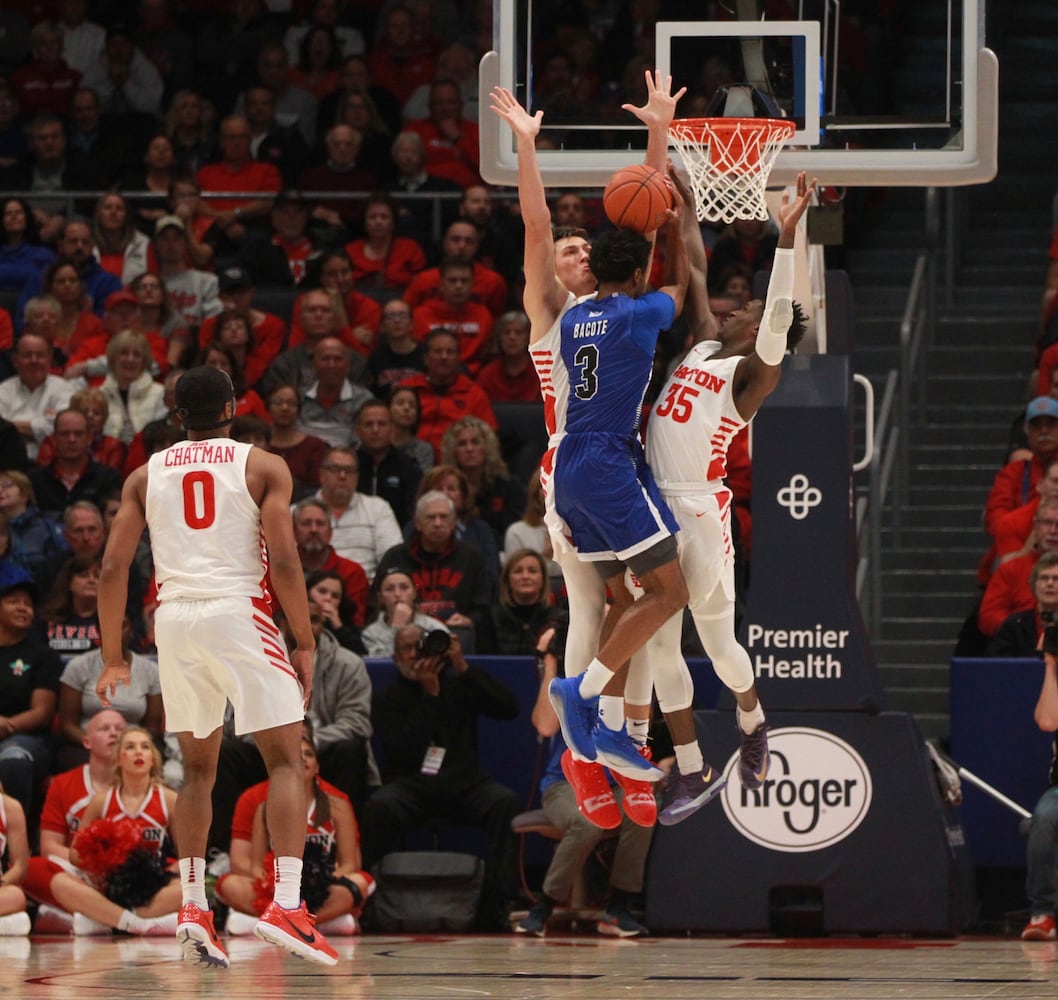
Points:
(193, 882)
(612, 711)
(689, 758)
(129, 921)
(749, 721)
(639, 730)
(288, 882)
(596, 677)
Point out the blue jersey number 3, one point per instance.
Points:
(587, 360)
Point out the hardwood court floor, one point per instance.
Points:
(411, 968)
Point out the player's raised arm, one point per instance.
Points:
(700, 319)
(544, 295)
(759, 373)
(657, 115)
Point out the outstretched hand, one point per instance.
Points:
(793, 207)
(523, 124)
(113, 676)
(661, 103)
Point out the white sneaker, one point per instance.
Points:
(163, 926)
(343, 926)
(85, 926)
(240, 924)
(52, 920)
(14, 924)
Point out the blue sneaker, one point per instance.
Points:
(619, 752)
(753, 757)
(576, 715)
(687, 793)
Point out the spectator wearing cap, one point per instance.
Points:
(236, 293)
(46, 84)
(32, 397)
(194, 294)
(270, 142)
(28, 691)
(82, 40)
(76, 243)
(1015, 483)
(238, 171)
(342, 171)
(287, 255)
(72, 473)
(124, 77)
(51, 169)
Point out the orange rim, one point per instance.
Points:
(700, 128)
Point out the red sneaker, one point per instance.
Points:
(296, 931)
(595, 799)
(639, 802)
(1039, 928)
(198, 939)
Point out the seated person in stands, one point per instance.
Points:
(580, 836)
(530, 532)
(510, 377)
(102, 447)
(140, 703)
(302, 452)
(133, 396)
(1009, 589)
(357, 316)
(326, 588)
(287, 254)
(29, 695)
(1020, 634)
(406, 412)
(381, 259)
(471, 445)
(525, 608)
(449, 575)
(445, 393)
(22, 255)
(461, 239)
(343, 170)
(194, 293)
(385, 470)
(426, 724)
(71, 609)
(335, 888)
(398, 606)
(237, 293)
(453, 309)
(157, 320)
(313, 533)
(396, 355)
(35, 538)
(415, 215)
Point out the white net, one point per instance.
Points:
(728, 161)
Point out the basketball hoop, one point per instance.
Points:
(728, 161)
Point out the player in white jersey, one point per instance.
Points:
(217, 509)
(710, 396)
(556, 276)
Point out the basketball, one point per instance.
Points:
(636, 198)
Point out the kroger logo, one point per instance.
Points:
(817, 792)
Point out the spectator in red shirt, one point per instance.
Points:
(398, 62)
(313, 533)
(445, 393)
(461, 239)
(236, 292)
(450, 140)
(238, 171)
(47, 84)
(358, 316)
(382, 259)
(511, 377)
(455, 311)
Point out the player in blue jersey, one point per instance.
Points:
(605, 491)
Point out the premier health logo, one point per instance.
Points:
(799, 497)
(817, 792)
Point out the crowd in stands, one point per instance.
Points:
(290, 193)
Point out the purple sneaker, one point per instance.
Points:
(576, 715)
(753, 757)
(687, 793)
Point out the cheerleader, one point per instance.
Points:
(14, 845)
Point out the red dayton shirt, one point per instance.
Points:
(441, 408)
(251, 176)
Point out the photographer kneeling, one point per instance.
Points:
(426, 723)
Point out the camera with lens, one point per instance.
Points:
(434, 642)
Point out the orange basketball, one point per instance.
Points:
(636, 198)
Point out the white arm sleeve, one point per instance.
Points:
(778, 310)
